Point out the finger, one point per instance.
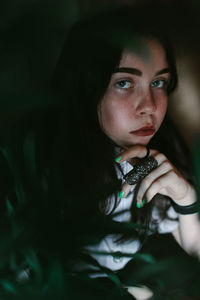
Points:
(173, 185)
(166, 185)
(126, 188)
(170, 184)
(138, 151)
(158, 186)
(160, 157)
(162, 169)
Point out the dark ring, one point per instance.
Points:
(148, 152)
(141, 170)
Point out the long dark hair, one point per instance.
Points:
(92, 51)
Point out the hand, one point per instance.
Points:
(165, 179)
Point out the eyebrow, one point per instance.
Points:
(163, 71)
(137, 72)
(128, 70)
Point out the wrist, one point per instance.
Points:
(189, 199)
(187, 205)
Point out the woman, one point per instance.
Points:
(115, 74)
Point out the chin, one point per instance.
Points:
(141, 141)
(125, 144)
(128, 145)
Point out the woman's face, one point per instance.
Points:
(136, 99)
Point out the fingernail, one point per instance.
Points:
(138, 205)
(144, 201)
(118, 158)
(121, 194)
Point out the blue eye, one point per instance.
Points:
(123, 84)
(159, 83)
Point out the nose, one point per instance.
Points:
(146, 103)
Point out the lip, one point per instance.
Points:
(144, 131)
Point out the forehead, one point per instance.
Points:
(147, 54)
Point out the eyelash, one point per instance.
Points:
(119, 83)
(164, 85)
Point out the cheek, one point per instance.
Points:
(162, 108)
(112, 114)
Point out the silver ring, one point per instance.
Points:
(141, 170)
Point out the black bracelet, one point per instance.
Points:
(186, 209)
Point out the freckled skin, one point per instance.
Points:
(138, 102)
(131, 102)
